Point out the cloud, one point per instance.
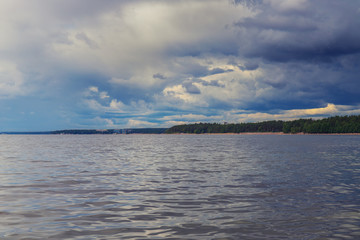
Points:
(133, 123)
(132, 37)
(191, 88)
(108, 123)
(328, 110)
(116, 105)
(315, 113)
(247, 3)
(190, 118)
(11, 80)
(94, 89)
(159, 76)
(104, 95)
(301, 30)
(83, 37)
(218, 70)
(250, 66)
(178, 92)
(101, 102)
(146, 60)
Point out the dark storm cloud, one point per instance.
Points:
(317, 31)
(300, 84)
(308, 51)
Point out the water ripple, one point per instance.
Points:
(179, 187)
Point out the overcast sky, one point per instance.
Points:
(117, 64)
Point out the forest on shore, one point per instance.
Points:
(337, 124)
(112, 131)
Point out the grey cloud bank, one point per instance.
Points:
(154, 63)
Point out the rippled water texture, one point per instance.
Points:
(180, 187)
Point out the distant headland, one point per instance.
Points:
(96, 131)
(335, 125)
(331, 125)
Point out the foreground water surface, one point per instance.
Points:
(179, 187)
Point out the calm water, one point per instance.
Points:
(180, 187)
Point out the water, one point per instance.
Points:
(180, 187)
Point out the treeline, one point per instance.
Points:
(145, 130)
(82, 131)
(112, 131)
(338, 124)
(343, 124)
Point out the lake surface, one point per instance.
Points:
(179, 187)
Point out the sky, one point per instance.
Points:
(91, 64)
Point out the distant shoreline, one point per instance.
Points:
(331, 125)
(164, 133)
(262, 133)
(338, 125)
(243, 133)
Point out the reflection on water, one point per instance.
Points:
(180, 187)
